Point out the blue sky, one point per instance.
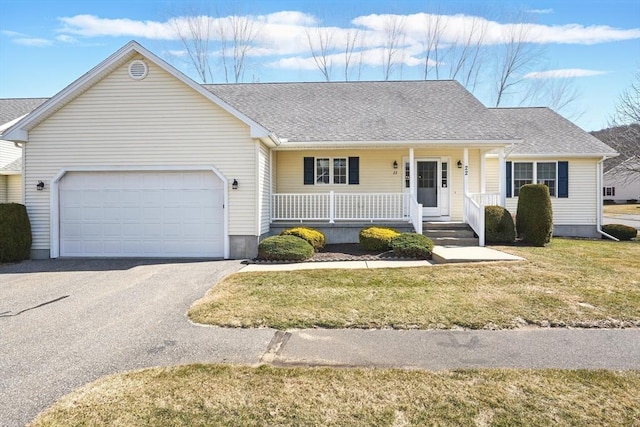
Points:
(587, 51)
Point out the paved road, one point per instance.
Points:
(64, 323)
(107, 316)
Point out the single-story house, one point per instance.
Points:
(135, 159)
(621, 183)
(11, 110)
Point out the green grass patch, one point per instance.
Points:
(568, 282)
(204, 395)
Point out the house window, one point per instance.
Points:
(609, 191)
(340, 171)
(331, 170)
(322, 171)
(546, 174)
(407, 175)
(445, 174)
(522, 175)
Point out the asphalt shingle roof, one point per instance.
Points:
(12, 108)
(544, 131)
(365, 111)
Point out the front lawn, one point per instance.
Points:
(204, 395)
(570, 282)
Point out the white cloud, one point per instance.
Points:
(289, 17)
(563, 73)
(540, 11)
(177, 53)
(10, 33)
(64, 38)
(93, 26)
(33, 41)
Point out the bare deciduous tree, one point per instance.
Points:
(321, 44)
(394, 37)
(352, 40)
(195, 33)
(433, 29)
(466, 54)
(626, 123)
(241, 32)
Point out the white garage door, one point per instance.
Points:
(141, 214)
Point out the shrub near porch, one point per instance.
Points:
(569, 282)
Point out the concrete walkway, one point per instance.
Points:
(441, 255)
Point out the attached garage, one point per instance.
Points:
(150, 213)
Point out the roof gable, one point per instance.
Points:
(15, 108)
(546, 133)
(19, 131)
(366, 111)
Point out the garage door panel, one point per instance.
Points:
(174, 214)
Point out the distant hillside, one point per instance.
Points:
(624, 139)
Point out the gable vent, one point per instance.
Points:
(138, 70)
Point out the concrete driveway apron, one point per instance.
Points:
(64, 323)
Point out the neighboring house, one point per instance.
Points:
(11, 110)
(139, 160)
(621, 183)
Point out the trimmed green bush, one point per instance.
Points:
(620, 231)
(377, 238)
(534, 217)
(15, 233)
(412, 245)
(498, 225)
(284, 248)
(314, 237)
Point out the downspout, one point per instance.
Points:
(599, 201)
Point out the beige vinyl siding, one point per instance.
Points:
(158, 121)
(580, 208)
(3, 189)
(377, 173)
(264, 188)
(14, 188)
(492, 174)
(8, 152)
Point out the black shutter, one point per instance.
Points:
(308, 171)
(563, 179)
(508, 179)
(354, 170)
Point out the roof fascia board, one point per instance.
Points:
(395, 144)
(599, 156)
(86, 81)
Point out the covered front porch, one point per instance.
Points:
(406, 188)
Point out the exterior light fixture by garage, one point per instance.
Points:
(40, 186)
(395, 164)
(459, 164)
(234, 185)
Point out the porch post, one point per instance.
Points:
(412, 173)
(502, 181)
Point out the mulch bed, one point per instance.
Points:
(338, 252)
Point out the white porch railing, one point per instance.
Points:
(334, 206)
(474, 204)
(415, 213)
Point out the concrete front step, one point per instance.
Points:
(454, 241)
(460, 233)
(444, 225)
(450, 233)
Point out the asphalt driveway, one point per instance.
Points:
(64, 323)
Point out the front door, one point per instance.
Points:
(427, 187)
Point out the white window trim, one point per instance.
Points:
(331, 170)
(535, 175)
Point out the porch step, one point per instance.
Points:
(450, 233)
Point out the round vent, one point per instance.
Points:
(138, 69)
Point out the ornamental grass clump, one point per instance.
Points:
(284, 248)
(620, 231)
(15, 233)
(377, 238)
(412, 245)
(498, 225)
(534, 217)
(314, 237)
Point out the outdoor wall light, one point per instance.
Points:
(40, 186)
(395, 164)
(234, 185)
(459, 164)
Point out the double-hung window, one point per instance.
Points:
(546, 174)
(522, 175)
(539, 172)
(331, 170)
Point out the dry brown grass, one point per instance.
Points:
(205, 395)
(570, 282)
(615, 210)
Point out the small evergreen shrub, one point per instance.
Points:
(15, 233)
(534, 217)
(620, 231)
(314, 237)
(498, 225)
(284, 248)
(377, 238)
(412, 245)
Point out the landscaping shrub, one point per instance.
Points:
(377, 238)
(284, 248)
(620, 231)
(498, 225)
(534, 217)
(15, 233)
(314, 237)
(412, 245)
